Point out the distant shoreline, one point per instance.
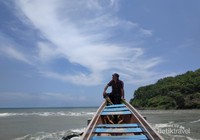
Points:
(167, 109)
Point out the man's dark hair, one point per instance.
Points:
(115, 74)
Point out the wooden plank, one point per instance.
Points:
(134, 137)
(118, 130)
(116, 109)
(116, 113)
(116, 105)
(118, 125)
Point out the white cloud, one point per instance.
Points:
(9, 48)
(15, 54)
(146, 32)
(78, 31)
(46, 51)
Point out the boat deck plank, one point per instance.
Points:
(116, 113)
(118, 125)
(115, 109)
(118, 130)
(134, 137)
(116, 105)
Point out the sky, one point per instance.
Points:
(62, 53)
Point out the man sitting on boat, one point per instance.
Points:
(117, 93)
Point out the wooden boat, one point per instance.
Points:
(119, 122)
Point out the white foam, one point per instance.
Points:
(75, 138)
(78, 130)
(4, 114)
(45, 114)
(195, 121)
(164, 125)
(51, 136)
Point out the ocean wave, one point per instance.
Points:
(164, 125)
(196, 121)
(45, 114)
(52, 136)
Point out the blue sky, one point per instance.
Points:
(63, 53)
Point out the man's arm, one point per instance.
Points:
(104, 91)
(106, 87)
(122, 93)
(122, 89)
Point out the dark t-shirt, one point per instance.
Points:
(116, 87)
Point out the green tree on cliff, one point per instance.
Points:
(179, 92)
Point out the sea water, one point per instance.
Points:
(55, 123)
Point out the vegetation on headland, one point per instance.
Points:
(179, 92)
